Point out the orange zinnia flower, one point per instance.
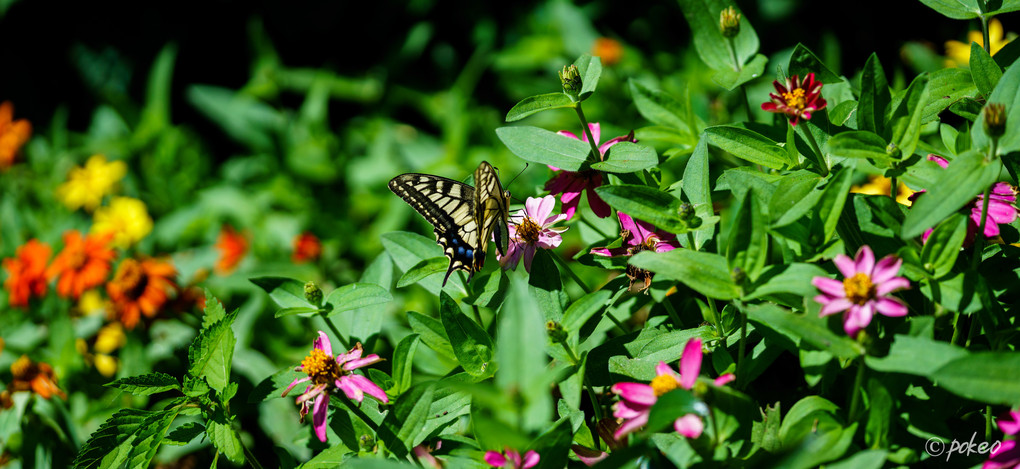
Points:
(608, 49)
(140, 287)
(26, 272)
(232, 246)
(35, 377)
(307, 247)
(84, 263)
(13, 134)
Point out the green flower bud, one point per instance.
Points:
(729, 22)
(995, 119)
(313, 294)
(556, 331)
(738, 275)
(893, 151)
(686, 211)
(570, 78)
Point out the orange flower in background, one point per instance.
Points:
(608, 49)
(307, 247)
(13, 135)
(26, 272)
(35, 377)
(140, 287)
(84, 263)
(232, 246)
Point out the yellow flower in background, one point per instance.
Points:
(880, 185)
(87, 185)
(958, 53)
(126, 218)
(92, 302)
(110, 338)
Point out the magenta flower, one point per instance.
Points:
(636, 399)
(571, 183)
(1000, 207)
(531, 229)
(864, 291)
(1007, 455)
(328, 374)
(588, 456)
(639, 236)
(796, 99)
(512, 460)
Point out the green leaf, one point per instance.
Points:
(407, 417)
(861, 144)
(535, 104)
(966, 177)
(590, 69)
(712, 47)
(905, 121)
(545, 286)
(431, 332)
(659, 107)
(985, 72)
(970, 9)
(871, 107)
(943, 246)
(645, 203)
(803, 62)
(812, 331)
(919, 356)
(242, 116)
(830, 205)
(521, 330)
(867, 459)
(1006, 92)
(542, 146)
(794, 197)
(213, 309)
(731, 79)
(945, 88)
(471, 344)
(669, 407)
(748, 145)
(294, 311)
(840, 114)
(146, 385)
(423, 269)
(704, 272)
(627, 157)
(409, 249)
(211, 352)
(983, 376)
(183, 434)
(285, 292)
(697, 187)
(793, 279)
(356, 295)
(128, 439)
(403, 361)
(580, 311)
(226, 440)
(748, 241)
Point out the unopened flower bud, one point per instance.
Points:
(893, 151)
(313, 294)
(570, 78)
(556, 331)
(686, 211)
(995, 119)
(729, 22)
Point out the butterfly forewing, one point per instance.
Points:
(493, 208)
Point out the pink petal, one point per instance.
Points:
(512, 257)
(355, 364)
(891, 307)
(350, 388)
(549, 239)
(598, 206)
(689, 426)
(529, 255)
(354, 354)
(610, 252)
(553, 219)
(664, 246)
(558, 183)
(630, 426)
(530, 459)
(846, 265)
(588, 456)
(626, 223)
(1006, 456)
(938, 160)
(635, 392)
(596, 131)
(690, 363)
(294, 383)
(625, 409)
(857, 318)
(663, 369)
(831, 287)
(514, 457)
(724, 379)
(368, 387)
(835, 305)
(865, 260)
(1001, 212)
(495, 459)
(539, 208)
(319, 412)
(1010, 424)
(891, 285)
(886, 269)
(322, 343)
(567, 133)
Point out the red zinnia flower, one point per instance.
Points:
(26, 272)
(232, 246)
(570, 183)
(797, 99)
(307, 247)
(84, 263)
(140, 287)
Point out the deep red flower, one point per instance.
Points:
(232, 246)
(797, 99)
(307, 247)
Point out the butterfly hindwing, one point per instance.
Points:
(492, 207)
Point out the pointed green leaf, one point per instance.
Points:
(471, 344)
(356, 295)
(812, 331)
(943, 246)
(403, 360)
(861, 144)
(985, 72)
(285, 292)
(627, 157)
(423, 269)
(659, 107)
(712, 47)
(731, 79)
(747, 248)
(211, 352)
(542, 146)
(645, 203)
(875, 97)
(128, 439)
(704, 272)
(590, 69)
(146, 385)
(1006, 92)
(918, 356)
(225, 439)
(748, 145)
(535, 104)
(803, 62)
(183, 434)
(945, 88)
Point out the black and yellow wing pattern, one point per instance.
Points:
(464, 217)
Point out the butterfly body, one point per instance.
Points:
(464, 217)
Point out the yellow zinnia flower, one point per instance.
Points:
(86, 186)
(880, 185)
(958, 53)
(126, 218)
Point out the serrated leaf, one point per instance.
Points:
(128, 439)
(225, 439)
(535, 104)
(211, 352)
(213, 309)
(146, 385)
(356, 295)
(545, 147)
(183, 434)
(286, 292)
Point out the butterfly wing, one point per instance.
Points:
(492, 209)
(450, 207)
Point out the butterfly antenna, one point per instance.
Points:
(515, 199)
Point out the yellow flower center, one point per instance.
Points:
(528, 231)
(321, 367)
(795, 98)
(859, 288)
(663, 384)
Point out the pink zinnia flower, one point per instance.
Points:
(328, 374)
(1007, 455)
(639, 236)
(1000, 207)
(531, 230)
(571, 183)
(797, 99)
(512, 460)
(864, 291)
(637, 399)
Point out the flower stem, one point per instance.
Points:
(820, 158)
(250, 457)
(340, 337)
(980, 237)
(570, 272)
(672, 312)
(893, 189)
(855, 401)
(587, 132)
(742, 347)
(693, 246)
(984, 34)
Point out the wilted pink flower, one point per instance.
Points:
(587, 455)
(512, 460)
(864, 291)
(328, 374)
(797, 99)
(639, 236)
(1000, 207)
(572, 183)
(425, 457)
(1007, 455)
(531, 229)
(637, 399)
